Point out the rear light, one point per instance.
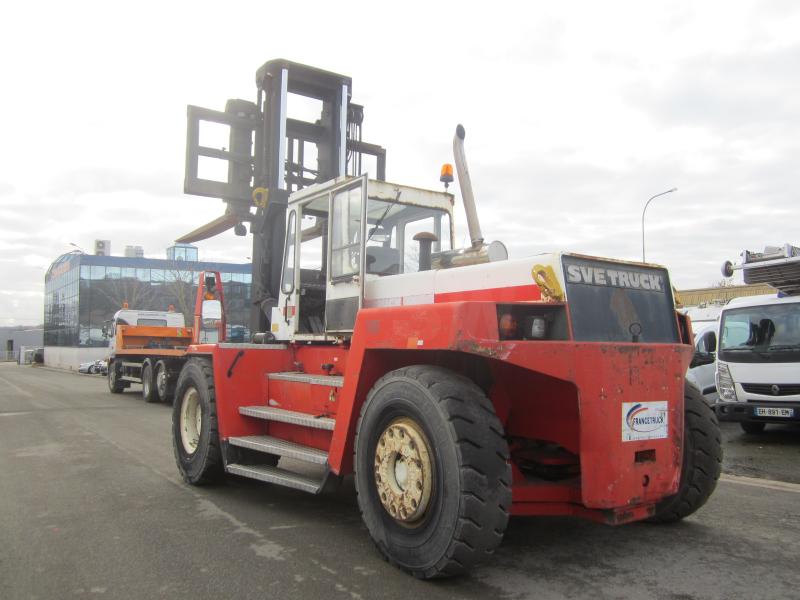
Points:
(508, 327)
(530, 321)
(535, 328)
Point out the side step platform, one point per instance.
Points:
(278, 476)
(271, 445)
(282, 448)
(270, 413)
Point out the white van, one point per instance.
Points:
(702, 371)
(758, 361)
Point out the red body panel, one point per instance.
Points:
(564, 392)
(247, 384)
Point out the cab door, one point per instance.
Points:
(346, 234)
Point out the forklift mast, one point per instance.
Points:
(271, 155)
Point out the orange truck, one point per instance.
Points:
(149, 347)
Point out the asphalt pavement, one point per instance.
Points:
(91, 505)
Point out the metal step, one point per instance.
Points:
(270, 413)
(277, 476)
(272, 445)
(329, 380)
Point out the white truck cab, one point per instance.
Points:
(758, 361)
(151, 318)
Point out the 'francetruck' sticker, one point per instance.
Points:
(644, 421)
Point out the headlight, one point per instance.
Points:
(725, 386)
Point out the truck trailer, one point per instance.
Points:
(149, 347)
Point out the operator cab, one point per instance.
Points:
(348, 232)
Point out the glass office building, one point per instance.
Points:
(82, 291)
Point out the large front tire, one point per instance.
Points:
(195, 437)
(432, 471)
(702, 460)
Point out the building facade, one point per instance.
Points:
(83, 291)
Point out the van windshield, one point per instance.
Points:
(755, 334)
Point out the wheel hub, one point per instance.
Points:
(191, 420)
(403, 471)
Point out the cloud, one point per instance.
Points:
(575, 116)
(732, 94)
(98, 180)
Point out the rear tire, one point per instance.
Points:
(432, 471)
(148, 384)
(195, 437)
(163, 384)
(115, 385)
(752, 427)
(702, 460)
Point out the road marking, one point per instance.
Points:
(16, 387)
(769, 484)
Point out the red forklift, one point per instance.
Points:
(457, 386)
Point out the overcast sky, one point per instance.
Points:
(576, 113)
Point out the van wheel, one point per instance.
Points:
(431, 471)
(115, 385)
(195, 437)
(702, 460)
(148, 384)
(752, 427)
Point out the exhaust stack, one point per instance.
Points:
(476, 237)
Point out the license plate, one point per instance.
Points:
(762, 411)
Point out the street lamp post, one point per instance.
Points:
(645, 209)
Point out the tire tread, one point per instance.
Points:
(485, 471)
(701, 466)
(213, 469)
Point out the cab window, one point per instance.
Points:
(346, 233)
(288, 256)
